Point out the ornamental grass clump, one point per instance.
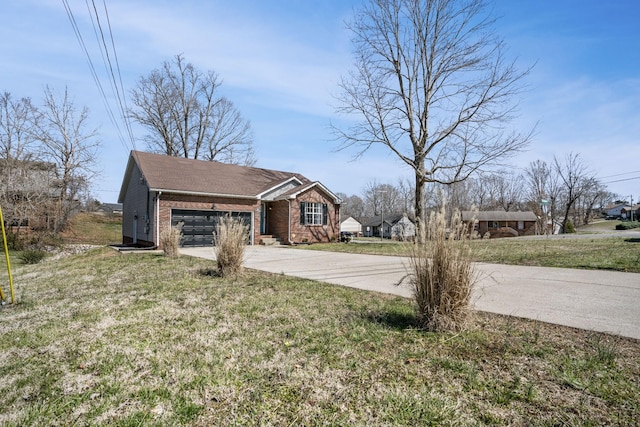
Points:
(229, 242)
(441, 274)
(170, 241)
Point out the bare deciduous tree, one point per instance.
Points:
(456, 196)
(504, 190)
(24, 181)
(432, 84)
(16, 124)
(186, 117)
(537, 177)
(67, 144)
(576, 180)
(382, 198)
(407, 194)
(351, 206)
(595, 195)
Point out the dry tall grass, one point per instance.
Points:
(170, 241)
(442, 274)
(229, 242)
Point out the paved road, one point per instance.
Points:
(596, 300)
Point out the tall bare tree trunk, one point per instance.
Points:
(431, 84)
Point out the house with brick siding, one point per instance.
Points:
(160, 191)
(501, 223)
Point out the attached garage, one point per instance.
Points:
(198, 225)
(160, 191)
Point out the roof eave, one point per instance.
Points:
(127, 178)
(199, 193)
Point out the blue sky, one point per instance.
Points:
(281, 60)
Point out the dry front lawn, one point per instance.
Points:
(110, 339)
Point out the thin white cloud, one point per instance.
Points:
(248, 53)
(595, 118)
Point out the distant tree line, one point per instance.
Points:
(564, 191)
(47, 159)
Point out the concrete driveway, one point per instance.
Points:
(595, 300)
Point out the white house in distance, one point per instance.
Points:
(351, 225)
(402, 227)
(615, 210)
(397, 227)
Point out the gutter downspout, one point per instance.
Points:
(157, 239)
(289, 225)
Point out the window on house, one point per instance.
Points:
(313, 213)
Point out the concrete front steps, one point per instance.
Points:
(268, 240)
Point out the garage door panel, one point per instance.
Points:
(198, 226)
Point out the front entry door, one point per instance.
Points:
(263, 218)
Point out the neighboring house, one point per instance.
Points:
(399, 227)
(110, 209)
(615, 210)
(402, 227)
(29, 190)
(631, 212)
(160, 191)
(351, 225)
(502, 224)
(370, 226)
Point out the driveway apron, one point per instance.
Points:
(602, 301)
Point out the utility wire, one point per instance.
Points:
(117, 89)
(123, 104)
(619, 174)
(624, 179)
(96, 79)
(106, 61)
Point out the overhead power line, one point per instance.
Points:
(116, 84)
(96, 78)
(623, 179)
(619, 174)
(123, 104)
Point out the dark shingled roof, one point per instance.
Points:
(176, 174)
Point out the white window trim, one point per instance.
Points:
(313, 213)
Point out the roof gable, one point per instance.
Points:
(350, 219)
(188, 176)
(395, 219)
(293, 193)
(281, 188)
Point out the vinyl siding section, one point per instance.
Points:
(138, 216)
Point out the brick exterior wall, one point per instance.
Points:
(284, 215)
(279, 217)
(528, 230)
(314, 233)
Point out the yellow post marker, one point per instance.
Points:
(6, 254)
